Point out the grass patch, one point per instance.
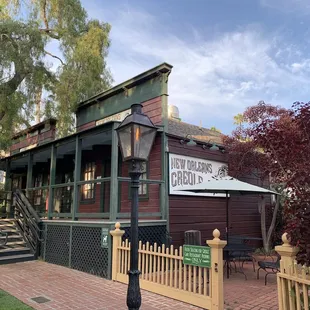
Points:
(8, 302)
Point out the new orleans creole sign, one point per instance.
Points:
(115, 117)
(190, 171)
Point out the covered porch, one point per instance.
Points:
(82, 177)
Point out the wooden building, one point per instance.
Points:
(80, 186)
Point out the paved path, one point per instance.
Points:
(71, 289)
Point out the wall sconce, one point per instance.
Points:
(214, 147)
(191, 142)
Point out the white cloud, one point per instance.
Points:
(212, 79)
(288, 6)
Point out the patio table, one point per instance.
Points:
(238, 252)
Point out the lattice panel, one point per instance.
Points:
(42, 244)
(152, 234)
(87, 254)
(57, 245)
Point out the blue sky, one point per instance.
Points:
(227, 54)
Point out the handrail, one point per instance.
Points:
(5, 236)
(27, 221)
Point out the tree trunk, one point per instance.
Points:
(38, 97)
(267, 236)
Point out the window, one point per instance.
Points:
(37, 194)
(88, 190)
(143, 186)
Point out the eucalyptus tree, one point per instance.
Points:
(52, 56)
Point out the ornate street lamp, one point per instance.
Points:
(136, 136)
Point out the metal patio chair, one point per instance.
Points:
(269, 267)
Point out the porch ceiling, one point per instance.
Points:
(68, 148)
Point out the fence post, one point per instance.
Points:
(217, 268)
(288, 255)
(117, 235)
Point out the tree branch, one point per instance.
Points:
(50, 33)
(44, 15)
(54, 56)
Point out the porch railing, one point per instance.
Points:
(5, 204)
(27, 222)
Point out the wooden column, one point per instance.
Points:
(77, 175)
(164, 199)
(217, 274)
(288, 254)
(8, 188)
(29, 173)
(51, 181)
(117, 235)
(114, 174)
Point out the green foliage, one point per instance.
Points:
(213, 128)
(28, 81)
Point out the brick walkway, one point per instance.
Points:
(71, 289)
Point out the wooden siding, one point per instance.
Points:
(120, 101)
(38, 139)
(86, 126)
(152, 202)
(101, 155)
(207, 213)
(152, 108)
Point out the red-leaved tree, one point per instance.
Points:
(274, 143)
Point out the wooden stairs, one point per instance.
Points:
(13, 248)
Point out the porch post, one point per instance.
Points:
(52, 181)
(77, 175)
(29, 172)
(164, 200)
(8, 188)
(114, 174)
(217, 274)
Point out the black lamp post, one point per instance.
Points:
(136, 135)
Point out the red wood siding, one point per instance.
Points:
(38, 139)
(99, 155)
(86, 126)
(152, 203)
(207, 213)
(153, 109)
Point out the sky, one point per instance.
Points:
(226, 54)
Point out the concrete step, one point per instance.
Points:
(11, 259)
(10, 231)
(14, 244)
(11, 238)
(14, 251)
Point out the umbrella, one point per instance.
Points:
(228, 186)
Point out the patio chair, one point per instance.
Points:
(242, 256)
(269, 267)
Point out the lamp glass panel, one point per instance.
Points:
(124, 135)
(143, 141)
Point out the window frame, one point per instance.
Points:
(92, 199)
(142, 197)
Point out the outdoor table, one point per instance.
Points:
(242, 250)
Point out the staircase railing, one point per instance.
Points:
(27, 222)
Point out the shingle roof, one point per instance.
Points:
(181, 129)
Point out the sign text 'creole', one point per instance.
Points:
(186, 169)
(190, 171)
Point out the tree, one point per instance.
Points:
(29, 83)
(273, 143)
(213, 128)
